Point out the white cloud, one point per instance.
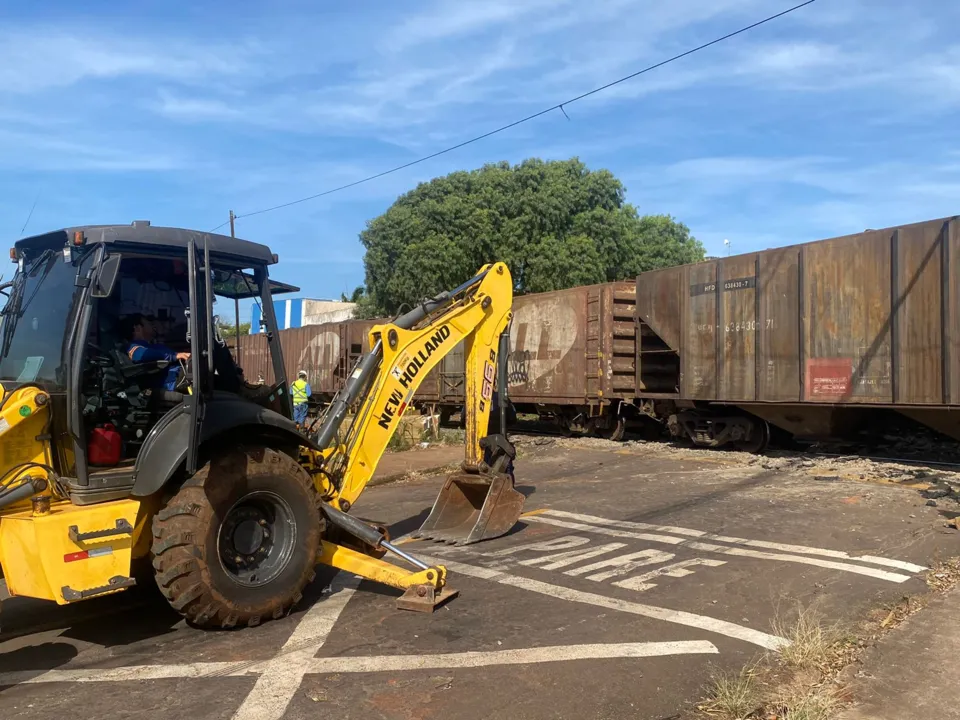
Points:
(449, 21)
(763, 207)
(727, 172)
(794, 57)
(60, 152)
(784, 118)
(468, 65)
(33, 59)
(195, 108)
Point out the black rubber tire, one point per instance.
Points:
(186, 558)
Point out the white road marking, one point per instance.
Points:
(900, 564)
(131, 672)
(556, 653)
(281, 677)
(281, 695)
(703, 622)
(830, 564)
(555, 561)
(676, 570)
(699, 534)
(621, 564)
(724, 550)
(560, 543)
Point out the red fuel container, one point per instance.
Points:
(105, 446)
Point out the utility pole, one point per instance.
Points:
(236, 300)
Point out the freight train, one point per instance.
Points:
(810, 341)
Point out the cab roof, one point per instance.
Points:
(141, 232)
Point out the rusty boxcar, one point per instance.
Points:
(808, 338)
(326, 352)
(572, 358)
(572, 355)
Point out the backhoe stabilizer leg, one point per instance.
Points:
(424, 590)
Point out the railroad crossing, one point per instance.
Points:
(677, 569)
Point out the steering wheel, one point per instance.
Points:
(99, 355)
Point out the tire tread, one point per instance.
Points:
(179, 561)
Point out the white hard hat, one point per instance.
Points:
(302, 373)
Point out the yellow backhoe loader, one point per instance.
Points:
(127, 432)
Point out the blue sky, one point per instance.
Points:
(841, 116)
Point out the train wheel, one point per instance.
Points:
(759, 438)
(614, 432)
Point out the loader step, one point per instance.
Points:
(118, 582)
(122, 527)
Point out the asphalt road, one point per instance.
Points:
(629, 581)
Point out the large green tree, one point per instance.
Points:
(556, 224)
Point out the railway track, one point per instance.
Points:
(947, 451)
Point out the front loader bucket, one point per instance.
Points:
(471, 508)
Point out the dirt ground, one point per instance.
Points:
(637, 571)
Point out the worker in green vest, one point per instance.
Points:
(300, 390)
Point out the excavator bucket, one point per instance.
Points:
(471, 508)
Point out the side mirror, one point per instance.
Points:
(106, 276)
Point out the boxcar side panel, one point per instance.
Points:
(951, 312)
(737, 328)
(445, 383)
(547, 360)
(846, 285)
(659, 316)
(326, 352)
(659, 303)
(699, 357)
(254, 358)
(315, 349)
(918, 321)
(778, 325)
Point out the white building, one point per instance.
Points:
(297, 312)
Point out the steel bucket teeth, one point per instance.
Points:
(471, 508)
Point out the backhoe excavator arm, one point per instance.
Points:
(476, 315)
(476, 504)
(409, 355)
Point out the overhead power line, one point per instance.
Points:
(559, 106)
(30, 214)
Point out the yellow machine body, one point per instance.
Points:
(50, 548)
(53, 549)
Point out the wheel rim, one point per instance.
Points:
(760, 440)
(615, 432)
(256, 539)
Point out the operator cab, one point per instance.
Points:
(119, 324)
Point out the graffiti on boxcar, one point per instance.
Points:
(541, 336)
(320, 358)
(518, 364)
